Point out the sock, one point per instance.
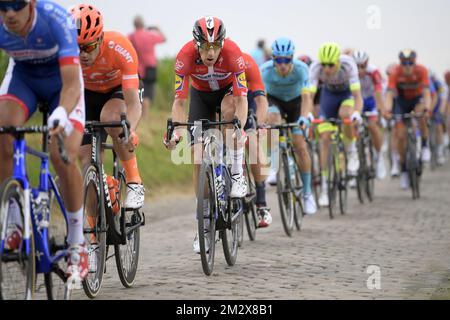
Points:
(404, 167)
(236, 161)
(75, 232)
(132, 171)
(261, 194)
(306, 179)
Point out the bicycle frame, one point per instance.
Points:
(39, 220)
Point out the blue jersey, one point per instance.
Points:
(51, 42)
(285, 88)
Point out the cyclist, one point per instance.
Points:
(371, 88)
(110, 71)
(438, 115)
(307, 59)
(258, 104)
(411, 83)
(41, 40)
(217, 69)
(340, 97)
(287, 83)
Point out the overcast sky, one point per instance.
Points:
(381, 27)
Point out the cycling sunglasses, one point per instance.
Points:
(285, 60)
(330, 65)
(88, 48)
(211, 45)
(407, 63)
(362, 66)
(12, 5)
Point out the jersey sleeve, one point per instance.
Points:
(313, 76)
(237, 68)
(425, 77)
(65, 33)
(253, 75)
(377, 80)
(127, 59)
(392, 84)
(181, 69)
(355, 84)
(304, 77)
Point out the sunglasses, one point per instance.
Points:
(407, 63)
(12, 5)
(362, 66)
(285, 60)
(88, 48)
(329, 65)
(211, 45)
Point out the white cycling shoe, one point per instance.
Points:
(309, 204)
(197, 244)
(135, 196)
(324, 201)
(239, 186)
(404, 180)
(272, 178)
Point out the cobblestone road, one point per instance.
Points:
(408, 240)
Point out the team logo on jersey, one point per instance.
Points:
(241, 80)
(179, 80)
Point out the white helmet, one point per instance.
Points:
(360, 57)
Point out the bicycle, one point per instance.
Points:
(40, 251)
(337, 167)
(224, 214)
(365, 180)
(414, 165)
(433, 129)
(107, 222)
(289, 182)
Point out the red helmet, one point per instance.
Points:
(209, 29)
(447, 76)
(306, 59)
(89, 22)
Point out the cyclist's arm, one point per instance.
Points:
(358, 100)
(427, 98)
(307, 103)
(179, 114)
(379, 101)
(71, 86)
(134, 107)
(241, 104)
(262, 107)
(389, 100)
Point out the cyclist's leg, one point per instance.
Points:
(274, 118)
(17, 104)
(419, 107)
(345, 111)
(235, 147)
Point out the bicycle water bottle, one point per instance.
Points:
(113, 188)
(41, 209)
(291, 168)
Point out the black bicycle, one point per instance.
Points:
(289, 182)
(106, 221)
(365, 180)
(222, 214)
(414, 165)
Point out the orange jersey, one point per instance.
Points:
(409, 86)
(252, 73)
(117, 64)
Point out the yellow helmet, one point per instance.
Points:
(329, 52)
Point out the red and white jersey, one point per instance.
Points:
(229, 69)
(371, 82)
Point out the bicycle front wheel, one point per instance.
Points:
(17, 260)
(343, 179)
(207, 210)
(127, 255)
(230, 236)
(94, 230)
(285, 197)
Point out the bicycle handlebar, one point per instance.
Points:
(123, 123)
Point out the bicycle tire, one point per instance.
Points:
(24, 262)
(207, 177)
(433, 146)
(56, 280)
(343, 179)
(229, 235)
(371, 171)
(94, 229)
(298, 206)
(332, 184)
(127, 255)
(361, 179)
(285, 196)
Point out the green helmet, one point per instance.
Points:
(329, 52)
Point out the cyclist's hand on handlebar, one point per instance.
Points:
(356, 117)
(58, 122)
(173, 142)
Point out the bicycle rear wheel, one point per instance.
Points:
(371, 171)
(94, 230)
(343, 179)
(17, 265)
(298, 206)
(207, 220)
(285, 197)
(333, 182)
(127, 255)
(251, 220)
